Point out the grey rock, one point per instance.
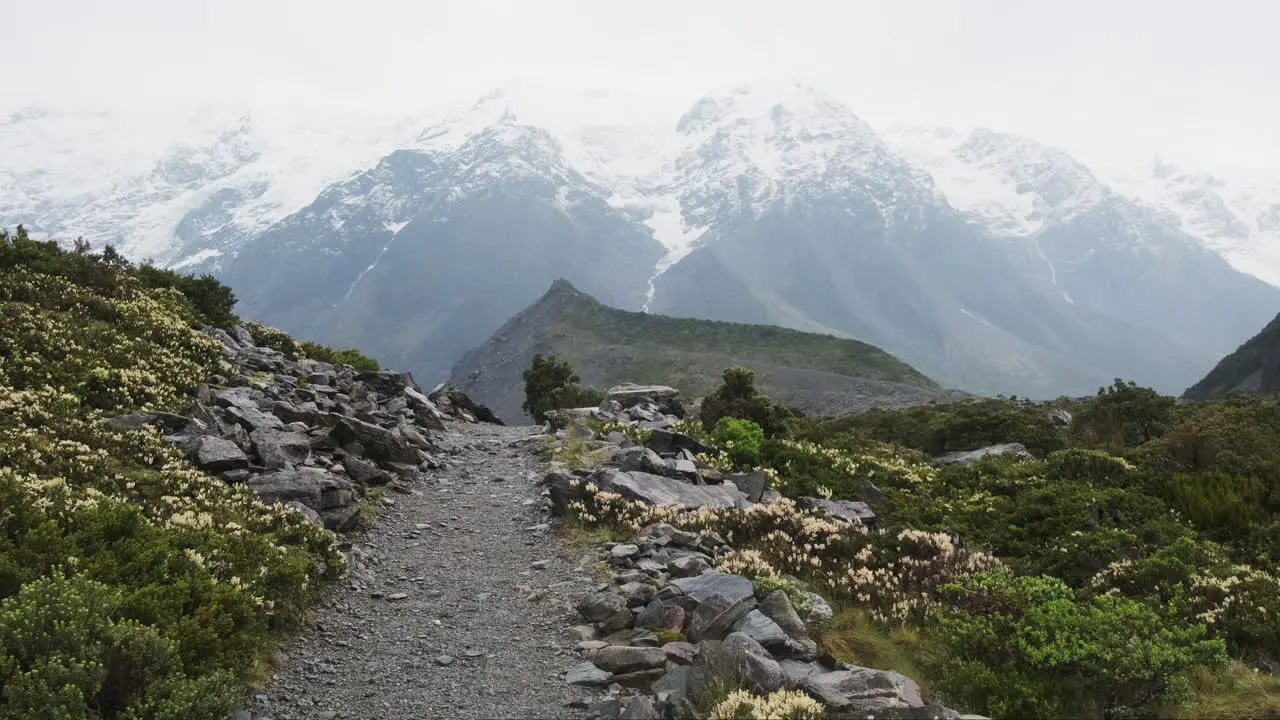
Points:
(745, 661)
(638, 707)
(365, 472)
(972, 456)
(658, 490)
(716, 616)
(638, 637)
(312, 515)
(777, 607)
(642, 459)
(752, 484)
(669, 441)
(378, 442)
(251, 418)
(819, 611)
(624, 550)
(652, 616)
(625, 659)
(680, 653)
(850, 511)
(708, 584)
(279, 448)
(687, 566)
(601, 606)
(587, 674)
(315, 488)
(214, 454)
(628, 395)
(864, 690)
(757, 626)
(638, 593)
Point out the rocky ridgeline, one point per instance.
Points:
(664, 586)
(309, 434)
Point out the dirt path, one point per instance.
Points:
(453, 614)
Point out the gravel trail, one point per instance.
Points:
(459, 609)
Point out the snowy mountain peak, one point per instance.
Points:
(799, 109)
(1008, 183)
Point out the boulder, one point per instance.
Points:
(628, 395)
(734, 587)
(777, 607)
(716, 616)
(626, 658)
(861, 691)
(587, 674)
(214, 454)
(600, 606)
(658, 490)
(378, 442)
(744, 661)
(972, 456)
(306, 412)
(364, 472)
(850, 511)
(251, 419)
(280, 448)
(668, 441)
(640, 458)
(757, 626)
(317, 489)
(753, 484)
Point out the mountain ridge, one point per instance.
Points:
(607, 345)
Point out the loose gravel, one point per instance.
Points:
(456, 606)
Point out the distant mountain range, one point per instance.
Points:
(991, 262)
(818, 374)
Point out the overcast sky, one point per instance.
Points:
(1198, 81)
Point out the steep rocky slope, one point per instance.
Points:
(816, 373)
(1253, 367)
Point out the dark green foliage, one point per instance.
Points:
(1123, 415)
(938, 428)
(109, 273)
(737, 397)
(551, 384)
(346, 356)
(213, 302)
(1026, 647)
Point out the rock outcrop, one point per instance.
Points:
(308, 434)
(668, 627)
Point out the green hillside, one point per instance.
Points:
(818, 373)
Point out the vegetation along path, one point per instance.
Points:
(456, 604)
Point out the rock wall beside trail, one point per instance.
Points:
(308, 434)
(668, 629)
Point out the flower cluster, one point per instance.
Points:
(894, 575)
(781, 705)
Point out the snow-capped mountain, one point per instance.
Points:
(1107, 250)
(179, 187)
(989, 261)
(1239, 218)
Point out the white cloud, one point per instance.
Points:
(1099, 78)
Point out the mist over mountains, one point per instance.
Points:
(990, 262)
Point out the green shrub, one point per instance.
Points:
(1123, 415)
(347, 356)
(1026, 647)
(737, 398)
(938, 428)
(132, 585)
(270, 337)
(213, 302)
(740, 440)
(551, 384)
